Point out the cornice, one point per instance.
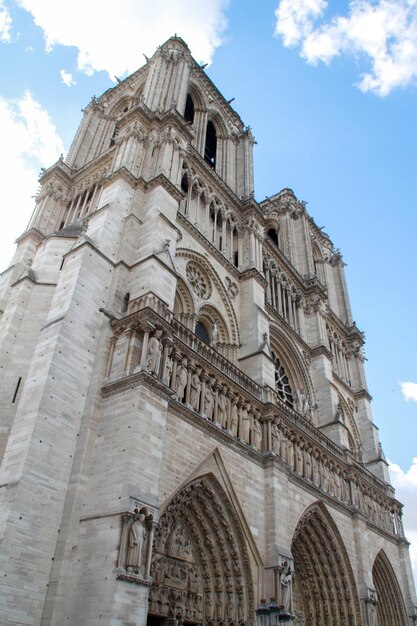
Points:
(252, 272)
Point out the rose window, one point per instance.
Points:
(198, 281)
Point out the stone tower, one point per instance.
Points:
(185, 424)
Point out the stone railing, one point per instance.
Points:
(219, 356)
(205, 383)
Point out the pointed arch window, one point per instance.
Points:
(202, 332)
(189, 110)
(282, 383)
(211, 145)
(273, 235)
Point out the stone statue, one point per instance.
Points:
(256, 434)
(245, 424)
(195, 389)
(276, 438)
(136, 543)
(222, 408)
(181, 381)
(290, 453)
(153, 356)
(286, 582)
(168, 368)
(234, 419)
(300, 460)
(214, 334)
(302, 403)
(209, 399)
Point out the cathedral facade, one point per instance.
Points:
(186, 432)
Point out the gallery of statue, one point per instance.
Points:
(186, 432)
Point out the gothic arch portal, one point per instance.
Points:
(324, 585)
(200, 568)
(390, 608)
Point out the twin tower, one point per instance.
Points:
(186, 434)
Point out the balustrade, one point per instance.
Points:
(204, 382)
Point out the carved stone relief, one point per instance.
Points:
(200, 566)
(198, 280)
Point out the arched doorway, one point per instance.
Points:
(200, 567)
(324, 591)
(390, 608)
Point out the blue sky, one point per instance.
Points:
(330, 91)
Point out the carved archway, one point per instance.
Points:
(293, 365)
(324, 586)
(390, 608)
(200, 567)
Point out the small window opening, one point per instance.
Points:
(201, 332)
(16, 390)
(126, 302)
(273, 235)
(211, 145)
(184, 183)
(236, 259)
(61, 225)
(189, 110)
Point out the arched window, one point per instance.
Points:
(273, 235)
(211, 145)
(189, 110)
(202, 332)
(184, 183)
(282, 384)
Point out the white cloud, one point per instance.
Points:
(67, 78)
(5, 23)
(125, 31)
(30, 141)
(295, 19)
(405, 484)
(409, 391)
(384, 32)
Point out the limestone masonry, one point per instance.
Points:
(186, 432)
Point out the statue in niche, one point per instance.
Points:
(208, 606)
(290, 453)
(316, 469)
(276, 438)
(168, 367)
(195, 389)
(286, 584)
(209, 399)
(325, 481)
(371, 605)
(153, 599)
(153, 357)
(307, 464)
(230, 608)
(300, 460)
(181, 381)
(245, 423)
(136, 543)
(256, 434)
(214, 335)
(234, 418)
(222, 408)
(302, 403)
